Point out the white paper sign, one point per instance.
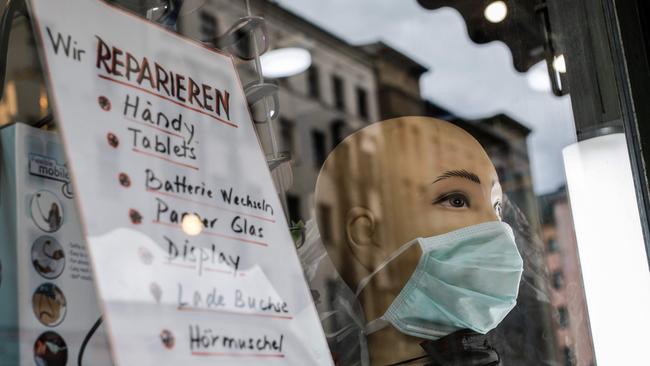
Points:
(157, 131)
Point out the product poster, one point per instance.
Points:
(188, 242)
(48, 304)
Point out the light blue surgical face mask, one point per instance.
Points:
(466, 279)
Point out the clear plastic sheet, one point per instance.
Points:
(523, 338)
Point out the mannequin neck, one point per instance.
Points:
(389, 346)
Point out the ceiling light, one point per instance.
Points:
(192, 225)
(284, 62)
(496, 11)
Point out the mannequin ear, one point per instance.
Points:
(360, 230)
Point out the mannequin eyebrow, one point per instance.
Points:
(458, 174)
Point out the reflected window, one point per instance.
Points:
(320, 150)
(362, 102)
(563, 315)
(331, 286)
(313, 82)
(209, 27)
(558, 280)
(338, 132)
(337, 89)
(553, 246)
(293, 205)
(287, 133)
(568, 356)
(325, 221)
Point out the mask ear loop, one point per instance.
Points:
(357, 324)
(364, 282)
(375, 325)
(380, 323)
(341, 333)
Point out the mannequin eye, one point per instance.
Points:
(453, 200)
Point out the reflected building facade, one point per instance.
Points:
(348, 87)
(572, 331)
(319, 107)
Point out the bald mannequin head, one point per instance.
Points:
(392, 182)
(388, 184)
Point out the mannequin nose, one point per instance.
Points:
(489, 214)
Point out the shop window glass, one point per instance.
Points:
(467, 96)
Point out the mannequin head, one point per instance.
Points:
(390, 183)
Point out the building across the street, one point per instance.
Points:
(350, 86)
(318, 108)
(572, 333)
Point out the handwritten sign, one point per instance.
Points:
(191, 253)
